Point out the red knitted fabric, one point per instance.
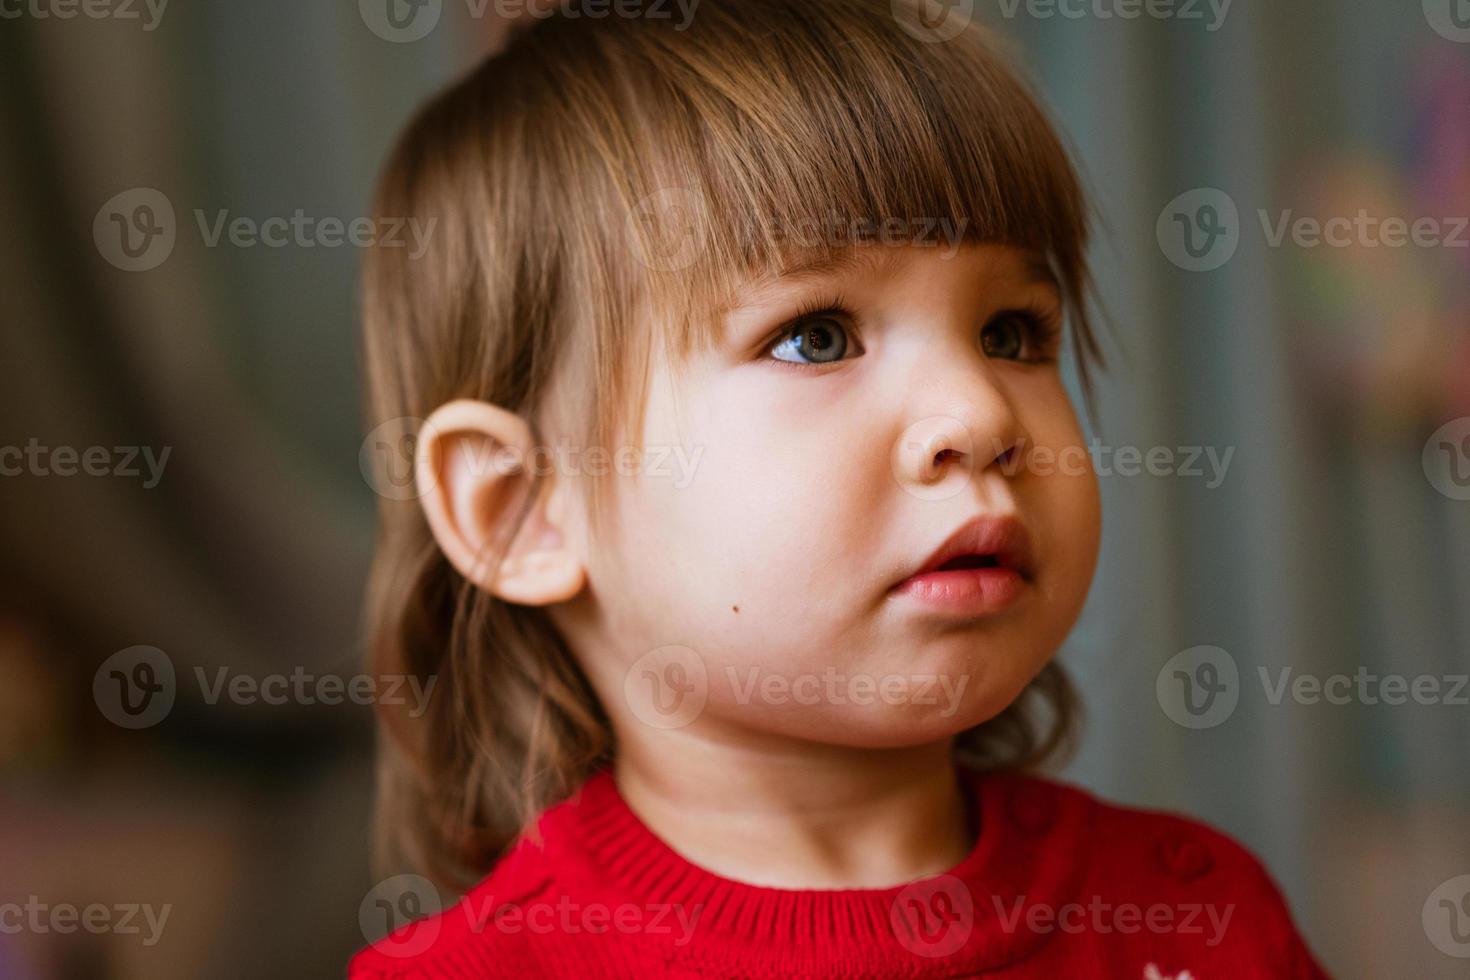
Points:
(1059, 884)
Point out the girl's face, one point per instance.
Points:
(848, 422)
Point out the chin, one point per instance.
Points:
(894, 726)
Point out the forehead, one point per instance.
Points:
(869, 262)
(876, 259)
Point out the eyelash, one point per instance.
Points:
(833, 306)
(1040, 324)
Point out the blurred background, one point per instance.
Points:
(184, 505)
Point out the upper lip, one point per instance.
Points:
(1002, 536)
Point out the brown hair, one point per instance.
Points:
(552, 170)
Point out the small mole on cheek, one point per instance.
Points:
(736, 608)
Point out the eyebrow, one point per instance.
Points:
(874, 260)
(868, 260)
(802, 269)
(1039, 270)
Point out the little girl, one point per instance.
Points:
(731, 366)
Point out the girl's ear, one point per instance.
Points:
(470, 469)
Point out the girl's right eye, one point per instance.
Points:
(818, 338)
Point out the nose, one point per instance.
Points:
(963, 424)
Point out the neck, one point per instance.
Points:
(798, 815)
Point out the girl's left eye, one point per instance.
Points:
(1017, 335)
(815, 339)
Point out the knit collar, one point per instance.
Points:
(1029, 851)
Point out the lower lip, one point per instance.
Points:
(965, 591)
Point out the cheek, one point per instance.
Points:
(758, 557)
(762, 525)
(1064, 496)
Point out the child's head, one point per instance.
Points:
(799, 272)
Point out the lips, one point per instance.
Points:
(980, 569)
(998, 541)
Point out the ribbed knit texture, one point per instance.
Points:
(1057, 885)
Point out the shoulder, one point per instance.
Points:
(489, 931)
(1164, 849)
(1129, 843)
(1172, 872)
(472, 936)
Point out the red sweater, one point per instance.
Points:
(1059, 884)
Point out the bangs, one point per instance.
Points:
(663, 166)
(803, 130)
